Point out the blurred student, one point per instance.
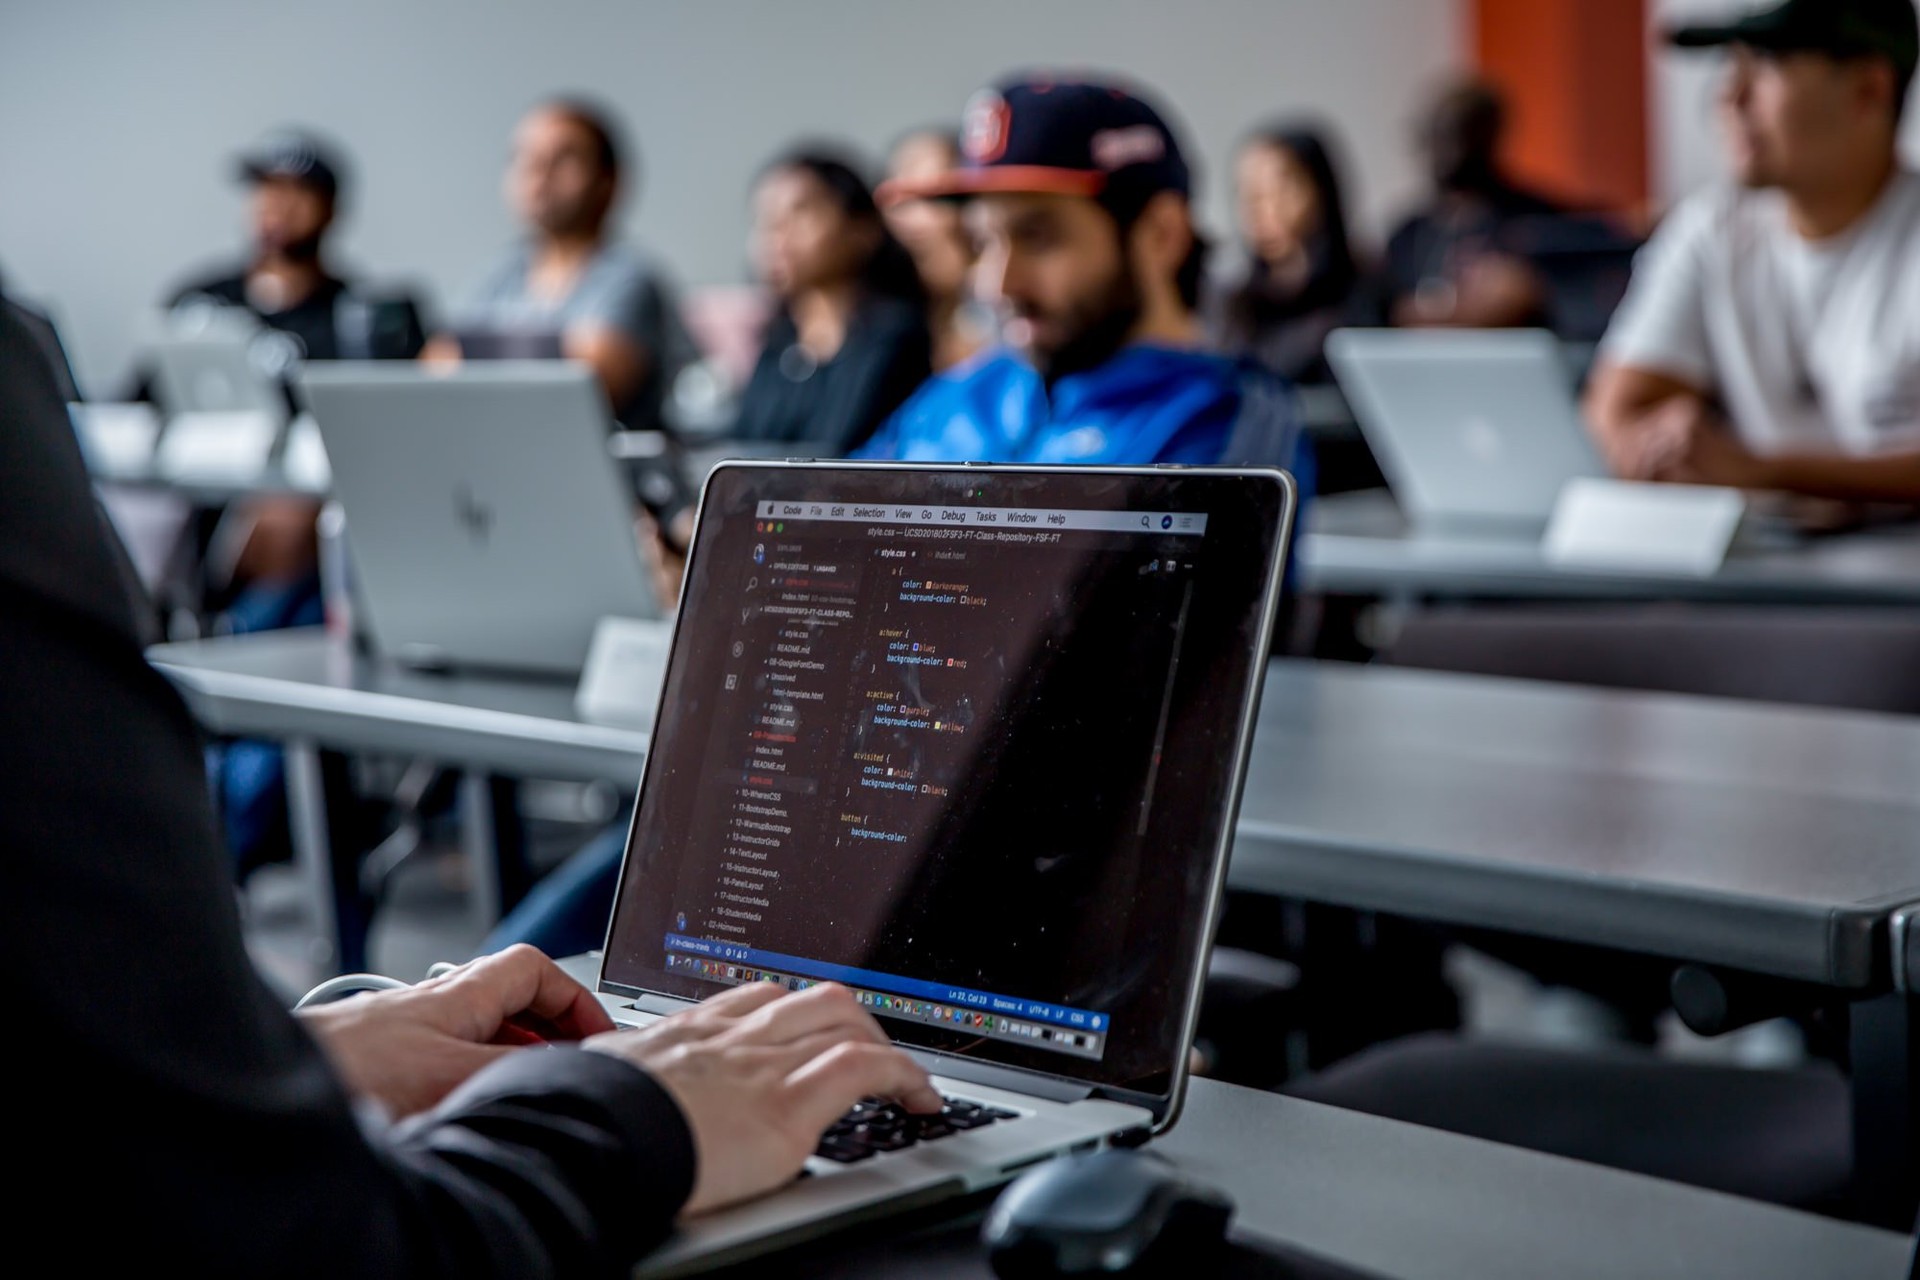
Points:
(569, 288)
(288, 284)
(849, 340)
(1077, 196)
(286, 280)
(1301, 273)
(1771, 337)
(1463, 259)
(271, 580)
(934, 234)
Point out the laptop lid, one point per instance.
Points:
(493, 343)
(1468, 426)
(225, 374)
(969, 740)
(488, 525)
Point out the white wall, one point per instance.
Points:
(118, 118)
(1685, 146)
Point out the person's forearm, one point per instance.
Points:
(1892, 477)
(1624, 409)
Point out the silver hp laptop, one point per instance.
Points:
(488, 526)
(970, 741)
(1474, 429)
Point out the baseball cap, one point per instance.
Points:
(1049, 135)
(296, 156)
(1844, 28)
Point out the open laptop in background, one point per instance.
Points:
(970, 741)
(481, 343)
(221, 383)
(1476, 430)
(224, 373)
(488, 526)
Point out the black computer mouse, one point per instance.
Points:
(1105, 1213)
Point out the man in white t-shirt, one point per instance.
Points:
(1771, 337)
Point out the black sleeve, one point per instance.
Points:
(158, 1087)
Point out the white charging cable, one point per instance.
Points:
(352, 984)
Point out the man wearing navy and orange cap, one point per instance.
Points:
(1077, 196)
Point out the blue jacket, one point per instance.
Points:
(1146, 404)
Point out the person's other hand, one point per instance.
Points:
(409, 1048)
(760, 1074)
(441, 352)
(1686, 442)
(1714, 455)
(1658, 443)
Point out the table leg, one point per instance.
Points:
(327, 849)
(492, 834)
(1884, 1054)
(313, 848)
(477, 838)
(510, 842)
(328, 829)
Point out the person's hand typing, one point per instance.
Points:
(760, 1074)
(407, 1049)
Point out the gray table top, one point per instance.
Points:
(300, 684)
(1770, 838)
(1408, 1201)
(1405, 1201)
(1361, 544)
(1775, 839)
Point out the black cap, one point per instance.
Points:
(1042, 134)
(295, 156)
(1843, 28)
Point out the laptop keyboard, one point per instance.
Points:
(876, 1125)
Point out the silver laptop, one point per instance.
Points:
(1474, 429)
(970, 741)
(487, 524)
(225, 373)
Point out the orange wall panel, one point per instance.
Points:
(1575, 72)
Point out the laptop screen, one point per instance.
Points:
(963, 740)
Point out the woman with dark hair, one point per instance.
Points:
(1301, 271)
(849, 340)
